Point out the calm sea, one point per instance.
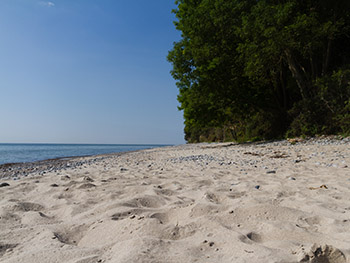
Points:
(18, 153)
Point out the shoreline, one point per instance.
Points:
(77, 145)
(17, 171)
(24, 169)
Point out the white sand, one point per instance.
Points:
(191, 203)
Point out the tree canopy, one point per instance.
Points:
(264, 69)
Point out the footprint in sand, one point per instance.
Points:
(6, 217)
(166, 192)
(250, 237)
(179, 232)
(70, 235)
(146, 201)
(163, 218)
(27, 206)
(211, 197)
(254, 237)
(235, 195)
(37, 218)
(203, 210)
(87, 186)
(6, 248)
(127, 214)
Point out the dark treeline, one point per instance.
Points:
(251, 70)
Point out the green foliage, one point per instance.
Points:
(262, 69)
(344, 119)
(328, 111)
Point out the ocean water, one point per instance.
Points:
(19, 153)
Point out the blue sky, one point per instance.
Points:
(88, 71)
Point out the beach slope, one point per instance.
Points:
(256, 202)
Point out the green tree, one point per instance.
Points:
(252, 69)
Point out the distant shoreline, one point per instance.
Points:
(11, 153)
(17, 170)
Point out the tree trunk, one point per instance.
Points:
(297, 74)
(327, 57)
(283, 87)
(313, 71)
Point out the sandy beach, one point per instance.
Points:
(285, 201)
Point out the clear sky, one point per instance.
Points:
(88, 71)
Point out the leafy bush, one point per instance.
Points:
(328, 111)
